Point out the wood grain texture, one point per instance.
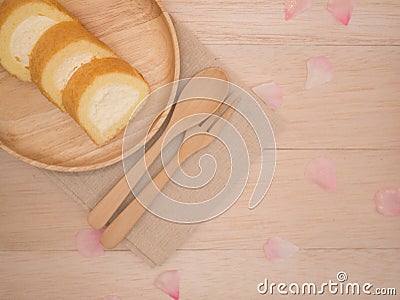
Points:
(224, 259)
(344, 218)
(38, 133)
(364, 91)
(262, 22)
(223, 274)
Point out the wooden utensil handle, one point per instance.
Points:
(105, 209)
(125, 221)
(123, 224)
(117, 231)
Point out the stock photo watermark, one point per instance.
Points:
(340, 286)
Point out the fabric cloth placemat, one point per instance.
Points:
(153, 239)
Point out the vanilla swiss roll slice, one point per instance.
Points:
(103, 95)
(59, 53)
(22, 23)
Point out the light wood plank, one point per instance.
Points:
(204, 274)
(297, 210)
(37, 251)
(262, 22)
(34, 212)
(358, 109)
(38, 216)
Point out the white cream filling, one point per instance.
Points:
(68, 67)
(26, 35)
(110, 104)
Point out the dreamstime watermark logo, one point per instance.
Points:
(229, 99)
(340, 286)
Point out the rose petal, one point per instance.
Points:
(88, 243)
(321, 171)
(341, 9)
(168, 282)
(388, 201)
(296, 7)
(276, 249)
(271, 94)
(111, 297)
(320, 71)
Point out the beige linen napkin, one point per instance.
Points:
(152, 238)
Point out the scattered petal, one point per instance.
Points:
(388, 201)
(271, 94)
(341, 9)
(296, 7)
(321, 171)
(168, 282)
(111, 297)
(320, 71)
(276, 249)
(88, 243)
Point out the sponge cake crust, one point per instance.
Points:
(56, 39)
(12, 14)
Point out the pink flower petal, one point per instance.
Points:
(88, 243)
(341, 9)
(111, 297)
(320, 71)
(276, 249)
(388, 201)
(296, 7)
(271, 94)
(321, 171)
(168, 282)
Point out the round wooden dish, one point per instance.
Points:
(32, 129)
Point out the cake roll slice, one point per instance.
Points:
(22, 23)
(103, 95)
(59, 53)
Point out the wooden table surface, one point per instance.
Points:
(354, 120)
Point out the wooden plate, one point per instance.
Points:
(32, 129)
